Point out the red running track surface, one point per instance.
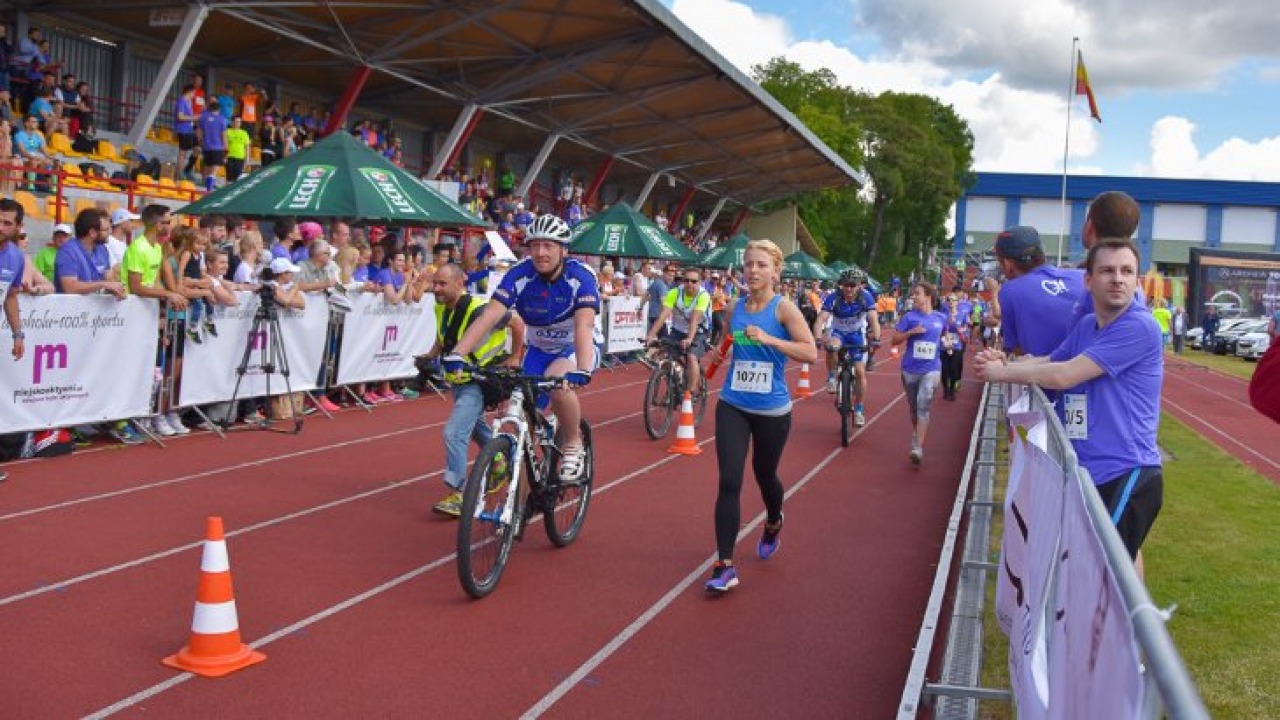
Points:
(346, 581)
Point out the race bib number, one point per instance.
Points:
(1075, 416)
(752, 376)
(924, 350)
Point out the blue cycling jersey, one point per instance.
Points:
(548, 308)
(849, 316)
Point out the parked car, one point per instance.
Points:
(1253, 345)
(1224, 343)
(1195, 336)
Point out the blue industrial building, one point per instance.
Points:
(1177, 215)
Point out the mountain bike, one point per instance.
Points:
(515, 478)
(666, 388)
(846, 385)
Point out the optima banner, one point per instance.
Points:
(625, 324)
(88, 359)
(379, 341)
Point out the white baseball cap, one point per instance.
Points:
(283, 265)
(122, 215)
(63, 228)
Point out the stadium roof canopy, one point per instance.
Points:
(614, 77)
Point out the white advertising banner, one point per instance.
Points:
(379, 341)
(209, 367)
(88, 359)
(1095, 668)
(624, 324)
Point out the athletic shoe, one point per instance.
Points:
(831, 386)
(499, 474)
(572, 463)
(3, 476)
(771, 540)
(917, 453)
(325, 404)
(390, 396)
(162, 428)
(409, 394)
(859, 419)
(724, 577)
(125, 434)
(373, 398)
(450, 504)
(175, 423)
(194, 336)
(210, 329)
(254, 418)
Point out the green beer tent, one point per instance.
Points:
(804, 266)
(726, 256)
(338, 177)
(838, 266)
(620, 231)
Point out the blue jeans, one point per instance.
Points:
(466, 422)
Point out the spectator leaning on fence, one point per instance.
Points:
(83, 264)
(1110, 368)
(1035, 305)
(11, 268)
(48, 255)
(33, 282)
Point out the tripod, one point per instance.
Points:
(266, 338)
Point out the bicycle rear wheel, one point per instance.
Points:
(846, 407)
(485, 535)
(657, 402)
(565, 513)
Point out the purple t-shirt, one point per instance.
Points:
(360, 274)
(923, 352)
(279, 251)
(1113, 418)
(73, 261)
(213, 128)
(390, 277)
(12, 265)
(1037, 310)
(183, 107)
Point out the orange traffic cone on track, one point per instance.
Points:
(894, 351)
(686, 440)
(803, 389)
(214, 648)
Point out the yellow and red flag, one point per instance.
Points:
(1084, 88)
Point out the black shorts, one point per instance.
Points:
(699, 344)
(186, 141)
(1141, 509)
(214, 158)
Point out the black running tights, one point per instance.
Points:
(767, 435)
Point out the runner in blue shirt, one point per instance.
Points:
(921, 331)
(851, 309)
(1110, 367)
(558, 299)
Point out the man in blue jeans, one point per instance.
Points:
(455, 310)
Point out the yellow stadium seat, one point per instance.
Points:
(82, 204)
(61, 145)
(107, 152)
(74, 177)
(31, 205)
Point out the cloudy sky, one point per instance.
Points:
(1186, 89)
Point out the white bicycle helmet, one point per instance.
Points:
(549, 227)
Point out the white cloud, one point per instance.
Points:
(1174, 154)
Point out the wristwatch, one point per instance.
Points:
(19, 335)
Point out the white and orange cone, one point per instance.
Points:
(803, 388)
(686, 439)
(214, 648)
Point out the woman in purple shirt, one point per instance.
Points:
(921, 331)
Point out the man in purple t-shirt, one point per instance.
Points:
(1036, 305)
(184, 126)
(211, 129)
(1110, 368)
(82, 265)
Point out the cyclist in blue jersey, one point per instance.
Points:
(558, 299)
(852, 310)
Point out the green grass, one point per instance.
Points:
(1229, 364)
(1213, 552)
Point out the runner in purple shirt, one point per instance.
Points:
(921, 331)
(1110, 368)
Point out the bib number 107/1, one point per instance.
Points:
(752, 376)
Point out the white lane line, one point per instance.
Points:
(1208, 425)
(241, 466)
(101, 572)
(1202, 386)
(670, 596)
(351, 602)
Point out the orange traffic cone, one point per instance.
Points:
(803, 389)
(214, 649)
(686, 441)
(894, 351)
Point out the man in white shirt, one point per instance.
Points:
(123, 225)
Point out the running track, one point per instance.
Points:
(1216, 406)
(347, 582)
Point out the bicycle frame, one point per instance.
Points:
(521, 409)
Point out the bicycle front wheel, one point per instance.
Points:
(846, 408)
(565, 512)
(657, 402)
(700, 400)
(485, 532)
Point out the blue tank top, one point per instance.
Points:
(756, 381)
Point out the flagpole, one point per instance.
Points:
(1066, 145)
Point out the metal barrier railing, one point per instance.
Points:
(1169, 688)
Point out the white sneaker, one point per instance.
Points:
(161, 426)
(859, 419)
(175, 423)
(831, 386)
(572, 463)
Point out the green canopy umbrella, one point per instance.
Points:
(838, 266)
(726, 256)
(338, 177)
(804, 266)
(620, 231)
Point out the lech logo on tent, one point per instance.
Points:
(389, 189)
(655, 236)
(308, 188)
(248, 183)
(613, 237)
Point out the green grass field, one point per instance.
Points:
(1228, 364)
(1213, 552)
